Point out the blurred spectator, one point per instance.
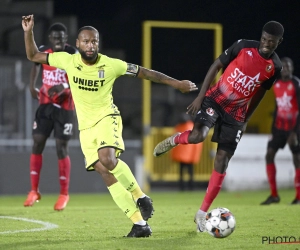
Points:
(186, 155)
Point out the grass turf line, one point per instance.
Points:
(93, 221)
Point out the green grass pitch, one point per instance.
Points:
(93, 221)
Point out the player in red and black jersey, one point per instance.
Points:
(250, 68)
(55, 113)
(285, 128)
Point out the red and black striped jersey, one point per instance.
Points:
(245, 70)
(53, 76)
(287, 95)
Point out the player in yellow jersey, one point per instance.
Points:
(91, 78)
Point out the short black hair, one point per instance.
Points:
(86, 28)
(57, 27)
(274, 28)
(287, 60)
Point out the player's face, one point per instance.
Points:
(58, 40)
(268, 43)
(287, 70)
(88, 45)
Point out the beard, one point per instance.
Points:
(88, 58)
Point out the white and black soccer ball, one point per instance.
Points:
(220, 222)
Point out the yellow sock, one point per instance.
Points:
(136, 217)
(137, 193)
(123, 199)
(124, 175)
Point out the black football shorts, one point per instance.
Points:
(227, 131)
(50, 118)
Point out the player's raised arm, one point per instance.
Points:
(184, 86)
(32, 52)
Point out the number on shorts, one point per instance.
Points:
(238, 136)
(68, 128)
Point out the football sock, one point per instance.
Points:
(124, 200)
(297, 183)
(136, 218)
(124, 175)
(64, 167)
(182, 138)
(271, 173)
(35, 170)
(137, 193)
(214, 187)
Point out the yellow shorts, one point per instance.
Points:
(106, 133)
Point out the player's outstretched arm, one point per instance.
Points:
(194, 107)
(32, 52)
(184, 86)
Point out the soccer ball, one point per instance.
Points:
(220, 222)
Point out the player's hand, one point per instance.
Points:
(55, 90)
(194, 107)
(27, 22)
(35, 93)
(187, 86)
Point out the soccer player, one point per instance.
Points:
(250, 68)
(285, 128)
(55, 113)
(91, 78)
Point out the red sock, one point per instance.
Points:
(64, 166)
(271, 173)
(297, 183)
(183, 138)
(214, 187)
(35, 170)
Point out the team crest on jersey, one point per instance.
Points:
(269, 67)
(34, 125)
(101, 73)
(290, 87)
(210, 111)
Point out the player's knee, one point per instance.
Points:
(108, 162)
(196, 137)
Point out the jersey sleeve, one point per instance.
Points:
(119, 66)
(232, 52)
(59, 59)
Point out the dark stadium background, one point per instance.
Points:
(185, 54)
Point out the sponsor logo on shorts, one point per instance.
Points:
(210, 111)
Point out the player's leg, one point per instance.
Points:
(278, 140)
(124, 175)
(110, 132)
(227, 134)
(294, 146)
(124, 201)
(63, 130)
(112, 146)
(204, 120)
(42, 128)
(214, 186)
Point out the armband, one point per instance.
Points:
(66, 85)
(132, 70)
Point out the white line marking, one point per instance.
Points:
(47, 225)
